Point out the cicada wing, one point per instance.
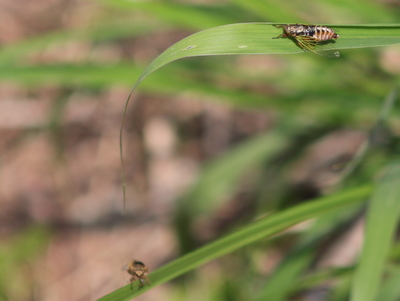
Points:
(330, 53)
(308, 43)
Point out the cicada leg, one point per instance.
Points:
(283, 35)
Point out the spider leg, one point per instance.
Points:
(141, 283)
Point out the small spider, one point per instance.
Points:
(138, 271)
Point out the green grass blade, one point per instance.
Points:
(390, 290)
(270, 10)
(182, 14)
(15, 53)
(382, 219)
(258, 230)
(220, 177)
(257, 38)
(280, 284)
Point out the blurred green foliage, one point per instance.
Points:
(311, 96)
(17, 255)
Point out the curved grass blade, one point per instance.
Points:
(258, 230)
(382, 219)
(257, 38)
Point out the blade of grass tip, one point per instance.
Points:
(258, 230)
(121, 154)
(382, 219)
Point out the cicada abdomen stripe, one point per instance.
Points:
(323, 33)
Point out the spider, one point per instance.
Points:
(139, 271)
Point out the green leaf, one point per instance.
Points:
(14, 54)
(382, 219)
(280, 284)
(258, 38)
(220, 177)
(258, 230)
(182, 14)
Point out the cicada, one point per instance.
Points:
(310, 37)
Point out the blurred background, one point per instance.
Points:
(210, 143)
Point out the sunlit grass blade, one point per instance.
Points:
(258, 230)
(257, 38)
(382, 219)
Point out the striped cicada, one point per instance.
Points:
(311, 37)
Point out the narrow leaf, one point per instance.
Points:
(257, 38)
(382, 219)
(260, 229)
(220, 177)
